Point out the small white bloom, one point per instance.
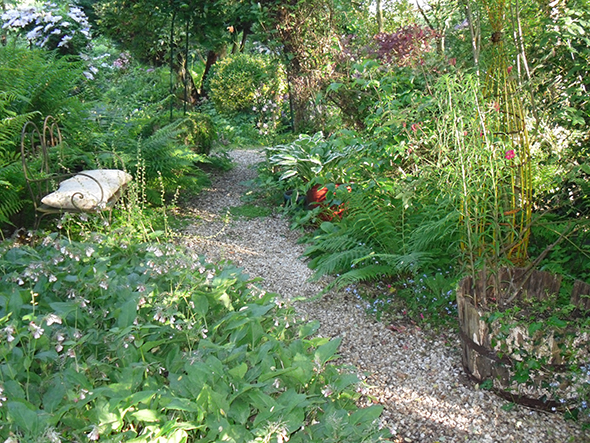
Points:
(94, 434)
(9, 330)
(52, 318)
(36, 330)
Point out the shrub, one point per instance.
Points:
(200, 132)
(64, 28)
(242, 82)
(250, 89)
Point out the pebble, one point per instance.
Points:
(415, 375)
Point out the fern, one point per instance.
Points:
(333, 262)
(10, 176)
(40, 82)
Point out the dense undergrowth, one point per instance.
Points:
(109, 332)
(120, 340)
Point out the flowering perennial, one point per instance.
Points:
(50, 26)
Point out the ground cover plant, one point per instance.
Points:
(130, 341)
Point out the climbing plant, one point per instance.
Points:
(508, 128)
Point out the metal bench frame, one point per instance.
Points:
(42, 179)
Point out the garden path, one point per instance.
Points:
(416, 375)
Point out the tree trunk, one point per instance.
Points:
(379, 16)
(212, 57)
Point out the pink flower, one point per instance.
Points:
(510, 154)
(509, 69)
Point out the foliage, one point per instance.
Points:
(387, 232)
(63, 27)
(311, 159)
(138, 27)
(134, 120)
(128, 341)
(252, 84)
(405, 46)
(10, 199)
(556, 372)
(562, 74)
(200, 132)
(309, 32)
(40, 82)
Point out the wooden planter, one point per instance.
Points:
(492, 352)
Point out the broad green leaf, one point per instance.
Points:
(239, 411)
(200, 304)
(127, 313)
(309, 329)
(24, 417)
(63, 309)
(366, 415)
(238, 371)
(182, 404)
(139, 397)
(146, 415)
(54, 395)
(327, 351)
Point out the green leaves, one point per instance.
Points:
(168, 347)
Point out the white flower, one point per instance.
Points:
(94, 434)
(36, 330)
(2, 397)
(9, 330)
(64, 41)
(89, 252)
(52, 318)
(35, 33)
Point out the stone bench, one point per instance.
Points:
(54, 190)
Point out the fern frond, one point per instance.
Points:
(10, 178)
(336, 262)
(327, 244)
(430, 233)
(366, 273)
(378, 266)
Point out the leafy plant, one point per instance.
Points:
(245, 82)
(200, 133)
(136, 342)
(63, 28)
(311, 158)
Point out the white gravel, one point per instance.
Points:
(416, 375)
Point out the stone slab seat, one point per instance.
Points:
(92, 190)
(88, 191)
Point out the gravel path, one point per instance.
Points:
(416, 376)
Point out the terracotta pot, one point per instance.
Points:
(316, 196)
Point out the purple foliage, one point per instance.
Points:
(403, 46)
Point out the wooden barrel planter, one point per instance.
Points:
(495, 347)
